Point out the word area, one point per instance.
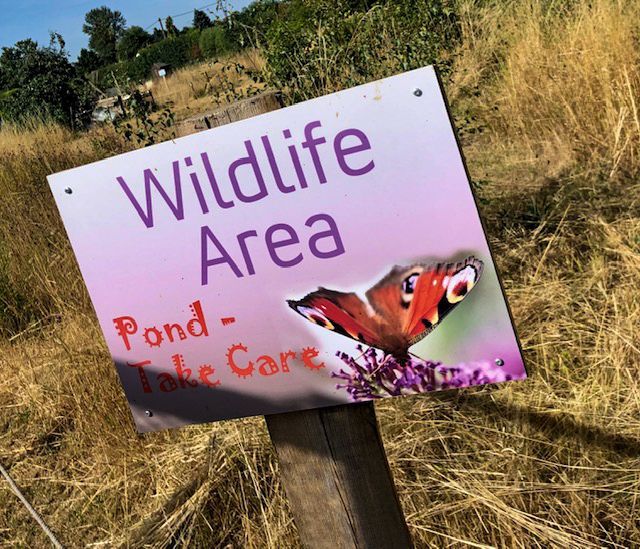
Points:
(281, 242)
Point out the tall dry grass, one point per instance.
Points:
(551, 462)
(205, 86)
(39, 280)
(563, 77)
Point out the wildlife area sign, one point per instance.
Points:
(326, 253)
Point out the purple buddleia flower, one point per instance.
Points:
(374, 374)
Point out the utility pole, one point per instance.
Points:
(164, 33)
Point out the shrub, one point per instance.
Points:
(251, 24)
(112, 75)
(132, 41)
(320, 46)
(41, 82)
(215, 41)
(175, 51)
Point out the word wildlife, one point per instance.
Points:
(245, 183)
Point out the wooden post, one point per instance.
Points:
(337, 478)
(332, 461)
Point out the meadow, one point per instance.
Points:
(545, 98)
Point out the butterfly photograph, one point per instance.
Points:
(399, 311)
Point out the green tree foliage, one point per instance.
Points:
(41, 82)
(249, 26)
(104, 27)
(170, 27)
(176, 51)
(157, 35)
(88, 61)
(132, 41)
(216, 41)
(201, 20)
(319, 46)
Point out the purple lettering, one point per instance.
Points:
(342, 153)
(295, 158)
(252, 161)
(214, 183)
(274, 166)
(331, 233)
(312, 145)
(196, 187)
(147, 215)
(273, 245)
(242, 241)
(207, 235)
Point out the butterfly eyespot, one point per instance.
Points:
(315, 316)
(409, 283)
(408, 288)
(461, 284)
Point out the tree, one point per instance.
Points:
(215, 41)
(253, 22)
(169, 25)
(200, 20)
(157, 35)
(104, 27)
(40, 81)
(88, 61)
(132, 41)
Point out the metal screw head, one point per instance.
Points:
(417, 92)
(68, 190)
(499, 362)
(148, 413)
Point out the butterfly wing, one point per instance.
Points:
(405, 305)
(437, 291)
(389, 297)
(344, 313)
(413, 300)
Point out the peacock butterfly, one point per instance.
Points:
(400, 310)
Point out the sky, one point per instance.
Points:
(34, 19)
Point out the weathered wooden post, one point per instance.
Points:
(337, 478)
(332, 461)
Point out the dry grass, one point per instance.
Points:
(552, 462)
(39, 280)
(207, 85)
(569, 77)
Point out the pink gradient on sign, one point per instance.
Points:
(415, 204)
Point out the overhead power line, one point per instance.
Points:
(181, 14)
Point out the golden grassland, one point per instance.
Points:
(196, 88)
(546, 103)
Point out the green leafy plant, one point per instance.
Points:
(216, 41)
(41, 82)
(145, 126)
(316, 47)
(227, 87)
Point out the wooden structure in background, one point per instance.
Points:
(332, 461)
(260, 104)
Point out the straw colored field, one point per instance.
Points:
(205, 86)
(545, 97)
